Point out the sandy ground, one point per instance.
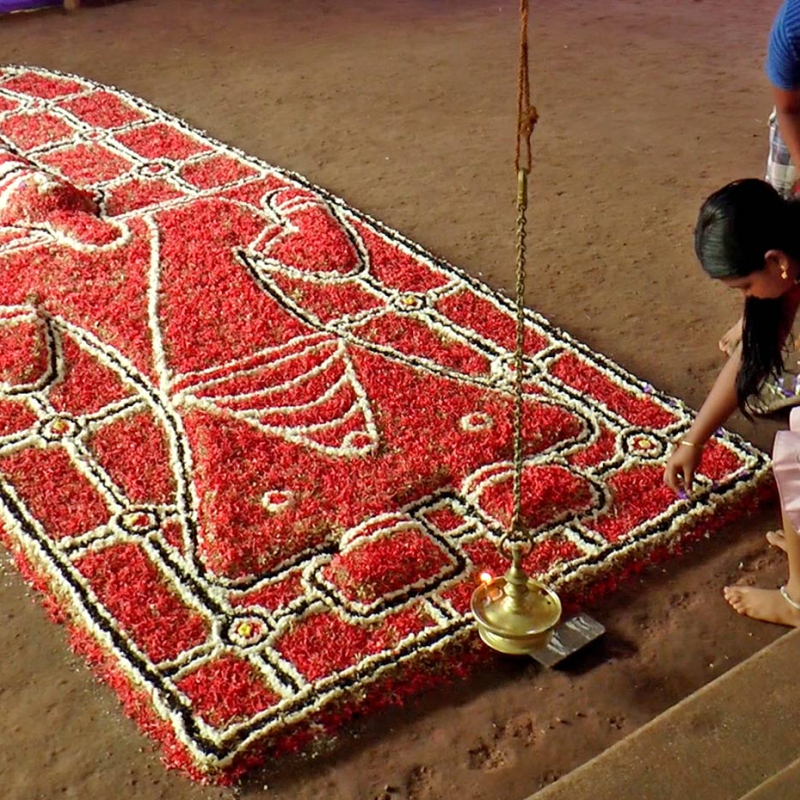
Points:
(406, 109)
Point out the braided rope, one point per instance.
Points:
(527, 116)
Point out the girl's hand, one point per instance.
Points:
(681, 466)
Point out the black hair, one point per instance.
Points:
(736, 227)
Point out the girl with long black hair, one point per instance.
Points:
(748, 237)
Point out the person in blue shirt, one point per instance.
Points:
(783, 70)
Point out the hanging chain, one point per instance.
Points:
(526, 121)
(519, 366)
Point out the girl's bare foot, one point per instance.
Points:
(729, 341)
(777, 539)
(764, 604)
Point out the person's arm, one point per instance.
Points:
(718, 406)
(720, 403)
(787, 106)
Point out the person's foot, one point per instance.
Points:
(777, 539)
(768, 605)
(732, 338)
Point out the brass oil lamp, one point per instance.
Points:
(514, 613)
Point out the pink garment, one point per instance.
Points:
(786, 467)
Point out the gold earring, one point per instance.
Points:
(784, 273)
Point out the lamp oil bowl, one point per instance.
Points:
(515, 614)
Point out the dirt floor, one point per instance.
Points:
(406, 109)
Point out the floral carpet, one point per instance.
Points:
(255, 447)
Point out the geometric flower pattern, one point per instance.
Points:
(257, 446)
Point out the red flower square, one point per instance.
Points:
(579, 374)
(477, 313)
(159, 140)
(27, 131)
(273, 596)
(324, 644)
(45, 86)
(86, 164)
(216, 171)
(58, 495)
(135, 453)
(130, 586)
(227, 690)
(103, 110)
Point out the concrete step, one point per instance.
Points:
(785, 785)
(723, 741)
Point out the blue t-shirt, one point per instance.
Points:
(783, 52)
